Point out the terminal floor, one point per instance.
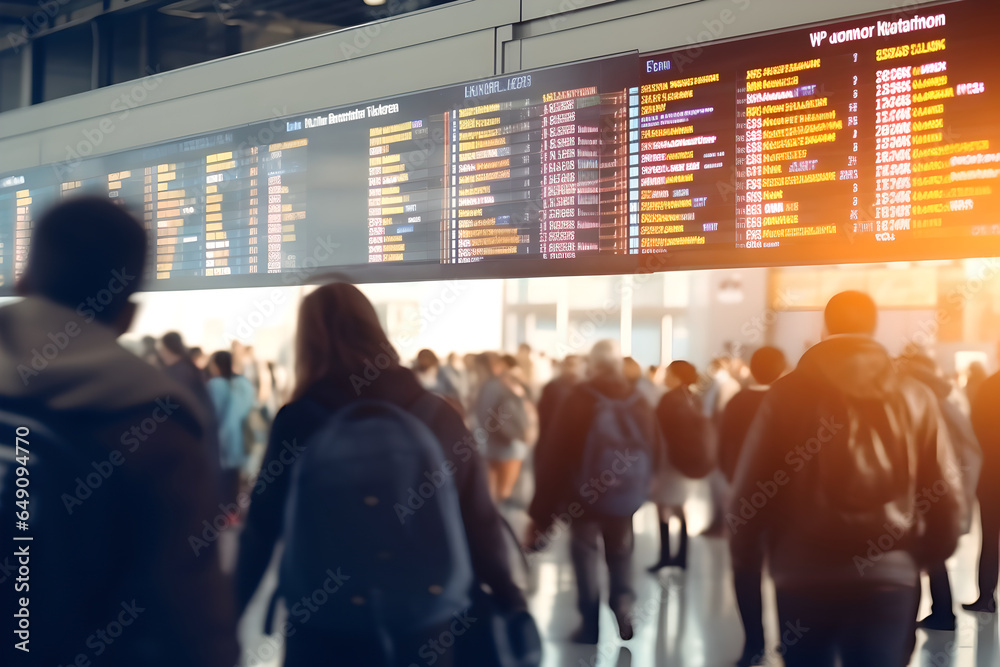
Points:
(683, 619)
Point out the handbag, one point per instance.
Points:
(499, 637)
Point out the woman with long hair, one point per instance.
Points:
(233, 398)
(343, 356)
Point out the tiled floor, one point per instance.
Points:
(683, 619)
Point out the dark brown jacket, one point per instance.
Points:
(847, 474)
(145, 433)
(559, 454)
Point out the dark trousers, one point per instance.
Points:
(941, 601)
(310, 647)
(989, 557)
(866, 626)
(584, 551)
(748, 599)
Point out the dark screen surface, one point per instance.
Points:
(863, 140)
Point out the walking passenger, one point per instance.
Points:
(844, 478)
(969, 457)
(117, 457)
(233, 399)
(344, 463)
(766, 365)
(501, 413)
(594, 471)
(986, 421)
(687, 434)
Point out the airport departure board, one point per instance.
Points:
(867, 139)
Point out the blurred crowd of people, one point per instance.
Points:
(241, 394)
(387, 482)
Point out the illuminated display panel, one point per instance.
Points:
(863, 140)
(529, 166)
(868, 139)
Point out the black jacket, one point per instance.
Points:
(847, 474)
(553, 395)
(986, 422)
(189, 376)
(559, 455)
(736, 419)
(297, 421)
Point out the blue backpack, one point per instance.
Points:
(373, 529)
(617, 466)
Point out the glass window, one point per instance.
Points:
(10, 79)
(67, 62)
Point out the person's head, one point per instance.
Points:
(767, 364)
(850, 312)
(426, 360)
(338, 338)
(198, 356)
(718, 364)
(572, 366)
(220, 364)
(524, 349)
(605, 360)
(87, 254)
(469, 363)
(172, 348)
(509, 362)
(681, 374)
(977, 371)
(632, 370)
(483, 364)
(452, 359)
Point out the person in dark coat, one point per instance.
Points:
(556, 391)
(766, 365)
(672, 488)
(86, 259)
(179, 366)
(986, 422)
(558, 500)
(847, 478)
(338, 333)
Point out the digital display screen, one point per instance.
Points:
(862, 140)
(869, 139)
